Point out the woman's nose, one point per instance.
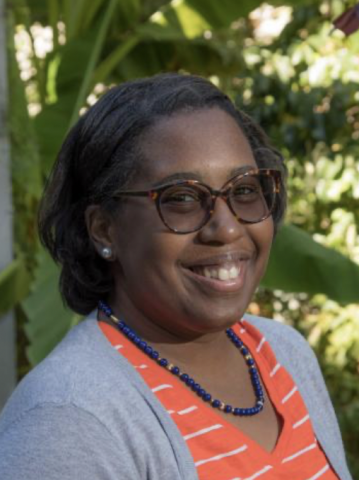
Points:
(223, 227)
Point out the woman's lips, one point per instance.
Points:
(226, 277)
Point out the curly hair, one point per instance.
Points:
(101, 154)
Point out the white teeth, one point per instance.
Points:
(223, 274)
(207, 272)
(234, 272)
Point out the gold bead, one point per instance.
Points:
(114, 319)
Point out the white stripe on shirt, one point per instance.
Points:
(222, 455)
(320, 473)
(187, 410)
(203, 431)
(261, 472)
(261, 343)
(161, 387)
(275, 370)
(300, 452)
(301, 421)
(292, 392)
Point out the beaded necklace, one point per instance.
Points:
(185, 378)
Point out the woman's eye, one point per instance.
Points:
(183, 197)
(245, 190)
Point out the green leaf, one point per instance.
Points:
(14, 285)
(220, 14)
(299, 264)
(25, 161)
(48, 319)
(96, 50)
(106, 67)
(51, 126)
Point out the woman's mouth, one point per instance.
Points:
(221, 273)
(227, 277)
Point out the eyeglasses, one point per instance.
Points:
(185, 206)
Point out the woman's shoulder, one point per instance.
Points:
(85, 394)
(81, 369)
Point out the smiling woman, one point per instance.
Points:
(161, 210)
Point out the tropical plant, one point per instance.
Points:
(302, 87)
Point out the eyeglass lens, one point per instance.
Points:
(186, 208)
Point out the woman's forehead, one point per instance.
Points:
(204, 143)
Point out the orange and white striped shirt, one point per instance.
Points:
(219, 450)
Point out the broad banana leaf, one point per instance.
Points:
(48, 319)
(299, 264)
(14, 285)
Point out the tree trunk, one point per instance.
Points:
(7, 324)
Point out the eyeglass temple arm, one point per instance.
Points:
(133, 193)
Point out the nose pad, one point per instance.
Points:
(223, 227)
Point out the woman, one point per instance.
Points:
(161, 210)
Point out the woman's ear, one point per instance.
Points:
(100, 230)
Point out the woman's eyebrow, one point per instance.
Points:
(242, 169)
(198, 176)
(179, 176)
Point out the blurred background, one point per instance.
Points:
(282, 62)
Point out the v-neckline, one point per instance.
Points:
(165, 376)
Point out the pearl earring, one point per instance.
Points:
(106, 252)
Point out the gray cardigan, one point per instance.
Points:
(84, 413)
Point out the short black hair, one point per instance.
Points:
(101, 155)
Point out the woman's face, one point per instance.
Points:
(160, 275)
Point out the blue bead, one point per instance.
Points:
(190, 382)
(142, 344)
(207, 397)
(237, 411)
(137, 340)
(163, 362)
(244, 351)
(155, 354)
(131, 335)
(184, 377)
(148, 350)
(196, 387)
(216, 403)
(126, 330)
(175, 370)
(228, 408)
(250, 361)
(201, 392)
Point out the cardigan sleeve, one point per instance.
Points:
(62, 442)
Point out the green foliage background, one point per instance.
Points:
(302, 87)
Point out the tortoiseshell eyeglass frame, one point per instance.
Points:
(156, 193)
